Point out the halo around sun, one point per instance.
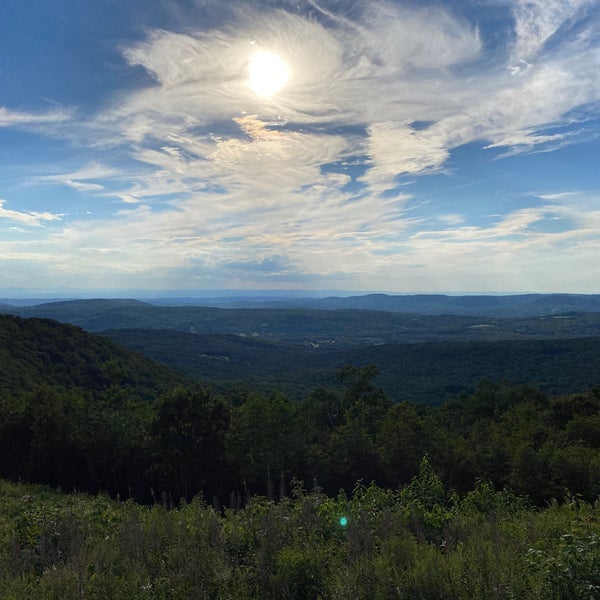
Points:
(267, 74)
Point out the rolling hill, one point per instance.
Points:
(423, 358)
(506, 306)
(331, 328)
(36, 352)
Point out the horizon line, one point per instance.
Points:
(134, 293)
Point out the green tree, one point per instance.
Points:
(116, 446)
(403, 440)
(351, 457)
(263, 439)
(57, 417)
(358, 382)
(15, 436)
(188, 433)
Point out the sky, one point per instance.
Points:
(418, 146)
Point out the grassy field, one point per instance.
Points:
(419, 543)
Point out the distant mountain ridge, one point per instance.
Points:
(524, 305)
(504, 306)
(326, 327)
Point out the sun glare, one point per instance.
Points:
(267, 74)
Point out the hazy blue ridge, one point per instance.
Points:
(325, 327)
(523, 305)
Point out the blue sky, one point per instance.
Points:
(393, 146)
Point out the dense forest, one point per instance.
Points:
(237, 494)
(425, 372)
(41, 351)
(422, 358)
(79, 412)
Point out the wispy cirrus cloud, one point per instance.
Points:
(12, 118)
(91, 178)
(31, 219)
(211, 177)
(385, 69)
(536, 21)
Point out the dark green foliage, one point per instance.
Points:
(35, 352)
(420, 543)
(571, 569)
(404, 437)
(263, 442)
(82, 413)
(188, 442)
(102, 420)
(428, 373)
(70, 439)
(74, 408)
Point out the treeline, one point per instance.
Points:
(192, 441)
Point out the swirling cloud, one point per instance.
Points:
(196, 173)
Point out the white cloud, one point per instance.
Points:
(514, 253)
(525, 231)
(336, 72)
(210, 174)
(32, 219)
(11, 118)
(387, 68)
(353, 239)
(347, 74)
(90, 171)
(92, 178)
(396, 149)
(83, 187)
(536, 21)
(452, 219)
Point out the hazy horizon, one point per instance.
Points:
(313, 145)
(236, 293)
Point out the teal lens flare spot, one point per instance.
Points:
(343, 521)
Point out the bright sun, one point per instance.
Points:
(267, 74)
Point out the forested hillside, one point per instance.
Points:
(40, 351)
(429, 373)
(78, 411)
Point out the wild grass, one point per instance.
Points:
(486, 545)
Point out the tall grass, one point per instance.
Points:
(401, 545)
